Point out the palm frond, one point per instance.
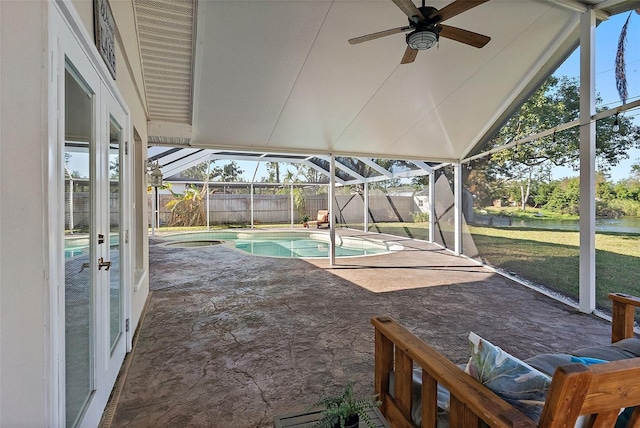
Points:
(621, 75)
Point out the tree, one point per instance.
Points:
(635, 169)
(565, 197)
(197, 172)
(273, 169)
(114, 168)
(389, 165)
(629, 188)
(227, 173)
(556, 102)
(312, 175)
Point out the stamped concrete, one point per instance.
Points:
(231, 339)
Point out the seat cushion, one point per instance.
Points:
(626, 348)
(548, 363)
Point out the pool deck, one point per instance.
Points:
(230, 340)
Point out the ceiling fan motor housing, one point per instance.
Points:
(426, 34)
(427, 11)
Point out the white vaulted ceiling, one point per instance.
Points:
(279, 76)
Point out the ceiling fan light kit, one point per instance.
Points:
(425, 24)
(422, 39)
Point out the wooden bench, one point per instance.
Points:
(599, 390)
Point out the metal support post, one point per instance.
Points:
(457, 208)
(587, 302)
(432, 206)
(365, 196)
(332, 211)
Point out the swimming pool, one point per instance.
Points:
(284, 244)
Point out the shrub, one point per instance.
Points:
(420, 217)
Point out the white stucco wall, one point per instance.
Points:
(130, 83)
(23, 232)
(27, 390)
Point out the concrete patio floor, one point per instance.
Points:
(229, 339)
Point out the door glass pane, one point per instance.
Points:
(78, 151)
(115, 288)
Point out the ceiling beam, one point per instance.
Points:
(581, 7)
(377, 167)
(345, 168)
(161, 129)
(175, 156)
(616, 6)
(182, 164)
(423, 165)
(322, 171)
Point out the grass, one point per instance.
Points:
(529, 213)
(551, 258)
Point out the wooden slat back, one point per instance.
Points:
(429, 398)
(404, 381)
(475, 398)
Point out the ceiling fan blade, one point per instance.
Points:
(409, 8)
(456, 8)
(409, 56)
(463, 36)
(379, 34)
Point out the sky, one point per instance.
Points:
(607, 35)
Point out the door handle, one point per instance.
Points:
(103, 264)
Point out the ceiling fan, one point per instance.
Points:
(425, 24)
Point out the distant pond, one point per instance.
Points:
(622, 224)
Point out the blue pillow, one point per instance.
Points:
(511, 379)
(587, 361)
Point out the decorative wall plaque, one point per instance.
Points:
(104, 29)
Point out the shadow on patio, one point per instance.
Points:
(231, 339)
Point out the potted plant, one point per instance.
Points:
(305, 221)
(345, 410)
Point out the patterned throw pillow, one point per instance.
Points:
(511, 379)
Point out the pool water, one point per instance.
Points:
(77, 245)
(287, 244)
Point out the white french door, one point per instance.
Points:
(93, 130)
(113, 253)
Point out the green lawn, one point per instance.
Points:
(529, 213)
(551, 258)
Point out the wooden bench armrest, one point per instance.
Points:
(397, 349)
(623, 315)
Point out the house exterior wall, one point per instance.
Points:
(28, 351)
(24, 309)
(129, 82)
